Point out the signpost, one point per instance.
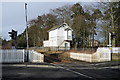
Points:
(111, 36)
(110, 42)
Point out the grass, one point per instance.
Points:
(115, 56)
(116, 60)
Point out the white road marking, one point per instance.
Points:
(112, 67)
(73, 71)
(22, 65)
(98, 64)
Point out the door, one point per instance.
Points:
(66, 46)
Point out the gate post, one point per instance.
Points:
(26, 56)
(23, 55)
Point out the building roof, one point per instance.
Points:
(53, 28)
(58, 26)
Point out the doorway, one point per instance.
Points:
(66, 46)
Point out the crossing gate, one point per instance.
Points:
(19, 56)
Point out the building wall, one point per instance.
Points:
(53, 34)
(68, 35)
(53, 38)
(60, 37)
(96, 43)
(57, 37)
(63, 44)
(46, 43)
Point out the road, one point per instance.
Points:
(61, 71)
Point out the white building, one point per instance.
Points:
(59, 37)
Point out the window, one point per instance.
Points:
(69, 32)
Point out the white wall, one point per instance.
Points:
(68, 35)
(46, 43)
(65, 35)
(53, 38)
(60, 37)
(53, 34)
(63, 45)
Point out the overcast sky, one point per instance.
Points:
(13, 14)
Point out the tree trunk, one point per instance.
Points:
(93, 39)
(75, 43)
(83, 38)
(112, 23)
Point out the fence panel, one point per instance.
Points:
(35, 56)
(12, 56)
(115, 49)
(104, 54)
(81, 56)
(16, 56)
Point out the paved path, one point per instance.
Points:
(61, 71)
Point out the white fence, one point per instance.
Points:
(115, 49)
(81, 56)
(102, 54)
(35, 56)
(11, 56)
(17, 56)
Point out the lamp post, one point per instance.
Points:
(26, 26)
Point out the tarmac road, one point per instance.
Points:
(61, 71)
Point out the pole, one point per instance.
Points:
(110, 44)
(26, 26)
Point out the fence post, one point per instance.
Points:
(1, 56)
(23, 55)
